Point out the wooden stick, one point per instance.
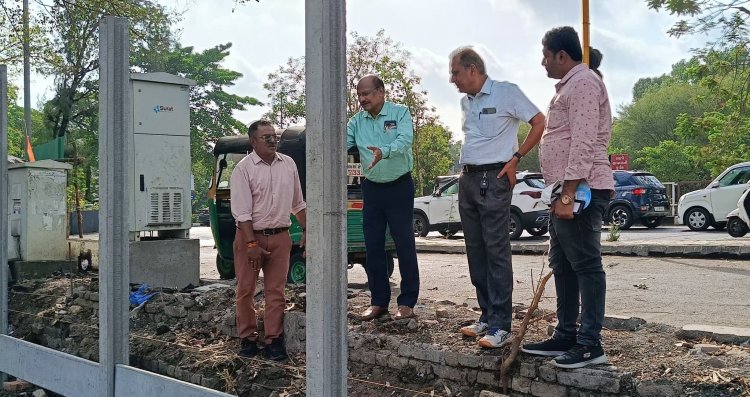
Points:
(522, 331)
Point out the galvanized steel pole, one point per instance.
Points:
(325, 80)
(114, 125)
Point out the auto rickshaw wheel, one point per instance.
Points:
(297, 268)
(225, 268)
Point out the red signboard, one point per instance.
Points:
(620, 161)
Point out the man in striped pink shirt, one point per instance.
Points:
(265, 190)
(573, 150)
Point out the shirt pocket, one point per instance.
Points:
(490, 125)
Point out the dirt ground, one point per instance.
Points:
(651, 353)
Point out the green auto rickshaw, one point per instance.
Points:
(229, 151)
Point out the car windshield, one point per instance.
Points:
(647, 180)
(535, 182)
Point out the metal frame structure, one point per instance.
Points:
(326, 330)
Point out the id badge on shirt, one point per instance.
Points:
(389, 125)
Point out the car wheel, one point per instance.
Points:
(736, 227)
(538, 231)
(225, 268)
(514, 228)
(297, 268)
(621, 216)
(652, 222)
(421, 226)
(697, 219)
(448, 232)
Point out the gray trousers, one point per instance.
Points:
(485, 221)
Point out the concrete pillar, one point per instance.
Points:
(325, 80)
(3, 202)
(114, 124)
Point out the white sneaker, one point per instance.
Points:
(476, 329)
(497, 339)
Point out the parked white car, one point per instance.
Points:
(711, 205)
(439, 211)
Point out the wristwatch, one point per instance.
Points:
(565, 199)
(518, 155)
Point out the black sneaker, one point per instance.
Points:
(248, 348)
(275, 350)
(549, 348)
(580, 356)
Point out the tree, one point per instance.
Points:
(652, 118)
(704, 15)
(435, 150)
(11, 37)
(286, 91)
(673, 161)
(16, 124)
(74, 37)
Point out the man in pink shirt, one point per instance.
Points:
(265, 190)
(573, 150)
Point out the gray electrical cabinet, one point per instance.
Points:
(160, 153)
(38, 221)
(161, 252)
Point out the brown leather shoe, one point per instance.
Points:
(372, 313)
(404, 312)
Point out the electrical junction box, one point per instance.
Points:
(160, 153)
(38, 216)
(161, 252)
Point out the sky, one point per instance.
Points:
(507, 33)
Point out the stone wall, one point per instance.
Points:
(530, 376)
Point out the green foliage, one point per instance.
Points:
(652, 118)
(703, 15)
(286, 92)
(74, 39)
(673, 161)
(529, 162)
(11, 37)
(614, 233)
(726, 137)
(434, 148)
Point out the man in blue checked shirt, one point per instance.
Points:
(492, 112)
(383, 132)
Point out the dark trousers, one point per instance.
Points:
(391, 206)
(485, 222)
(576, 260)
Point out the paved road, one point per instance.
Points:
(674, 291)
(676, 234)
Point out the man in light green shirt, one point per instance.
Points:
(383, 133)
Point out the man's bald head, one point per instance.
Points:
(371, 94)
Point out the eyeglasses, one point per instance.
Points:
(270, 138)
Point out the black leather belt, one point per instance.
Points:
(393, 182)
(483, 167)
(271, 232)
